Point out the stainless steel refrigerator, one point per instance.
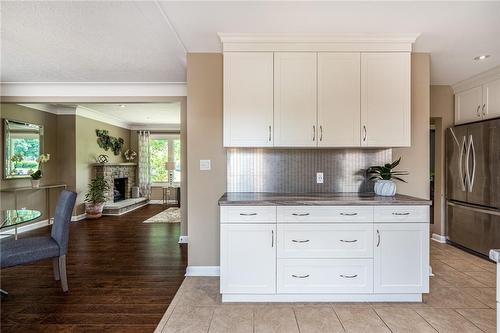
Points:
(473, 185)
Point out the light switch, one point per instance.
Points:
(319, 177)
(205, 165)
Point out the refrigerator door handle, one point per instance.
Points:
(473, 155)
(463, 147)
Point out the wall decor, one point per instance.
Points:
(102, 159)
(130, 155)
(106, 142)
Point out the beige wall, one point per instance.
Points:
(204, 141)
(32, 199)
(415, 159)
(87, 150)
(442, 116)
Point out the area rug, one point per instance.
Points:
(170, 215)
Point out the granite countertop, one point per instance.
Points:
(495, 255)
(315, 199)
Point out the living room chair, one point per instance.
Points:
(30, 249)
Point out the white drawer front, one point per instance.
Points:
(248, 214)
(325, 240)
(296, 276)
(401, 214)
(291, 214)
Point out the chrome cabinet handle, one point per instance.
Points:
(300, 276)
(314, 132)
(348, 214)
(348, 276)
(320, 132)
(300, 214)
(401, 214)
(272, 238)
(477, 111)
(349, 241)
(482, 110)
(378, 238)
(269, 133)
(300, 240)
(248, 214)
(364, 133)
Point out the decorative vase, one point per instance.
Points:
(35, 183)
(93, 211)
(385, 187)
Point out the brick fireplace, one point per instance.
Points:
(120, 177)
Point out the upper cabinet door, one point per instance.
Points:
(468, 105)
(491, 99)
(339, 99)
(248, 99)
(385, 99)
(295, 99)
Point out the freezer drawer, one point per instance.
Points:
(475, 228)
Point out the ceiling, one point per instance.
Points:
(147, 41)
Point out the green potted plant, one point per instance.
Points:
(96, 197)
(383, 176)
(37, 175)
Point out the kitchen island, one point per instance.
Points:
(287, 247)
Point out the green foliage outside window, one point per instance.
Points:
(26, 151)
(158, 158)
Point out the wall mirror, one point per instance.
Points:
(23, 144)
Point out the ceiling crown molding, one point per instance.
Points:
(360, 42)
(93, 89)
(477, 80)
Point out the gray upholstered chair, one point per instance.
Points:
(30, 249)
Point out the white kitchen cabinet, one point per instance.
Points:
(401, 258)
(248, 99)
(339, 99)
(491, 99)
(295, 121)
(248, 259)
(468, 105)
(385, 99)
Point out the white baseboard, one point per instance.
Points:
(438, 238)
(321, 297)
(79, 217)
(25, 228)
(203, 271)
(160, 202)
(183, 239)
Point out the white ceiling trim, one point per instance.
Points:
(367, 42)
(156, 127)
(477, 80)
(93, 89)
(85, 112)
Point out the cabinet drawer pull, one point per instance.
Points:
(300, 240)
(378, 238)
(300, 276)
(348, 276)
(477, 111)
(482, 110)
(401, 214)
(348, 214)
(300, 214)
(349, 241)
(269, 133)
(248, 214)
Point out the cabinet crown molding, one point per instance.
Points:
(360, 42)
(477, 80)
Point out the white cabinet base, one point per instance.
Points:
(322, 298)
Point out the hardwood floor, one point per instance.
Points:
(122, 276)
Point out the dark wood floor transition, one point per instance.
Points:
(122, 275)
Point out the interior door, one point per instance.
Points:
(339, 99)
(295, 112)
(456, 144)
(484, 163)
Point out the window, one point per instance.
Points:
(165, 148)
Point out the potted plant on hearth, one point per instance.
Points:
(384, 175)
(96, 197)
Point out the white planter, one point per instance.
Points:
(35, 183)
(385, 188)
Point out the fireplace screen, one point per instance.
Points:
(119, 189)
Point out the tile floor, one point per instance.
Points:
(461, 299)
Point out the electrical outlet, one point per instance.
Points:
(319, 177)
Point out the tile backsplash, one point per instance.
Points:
(294, 170)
